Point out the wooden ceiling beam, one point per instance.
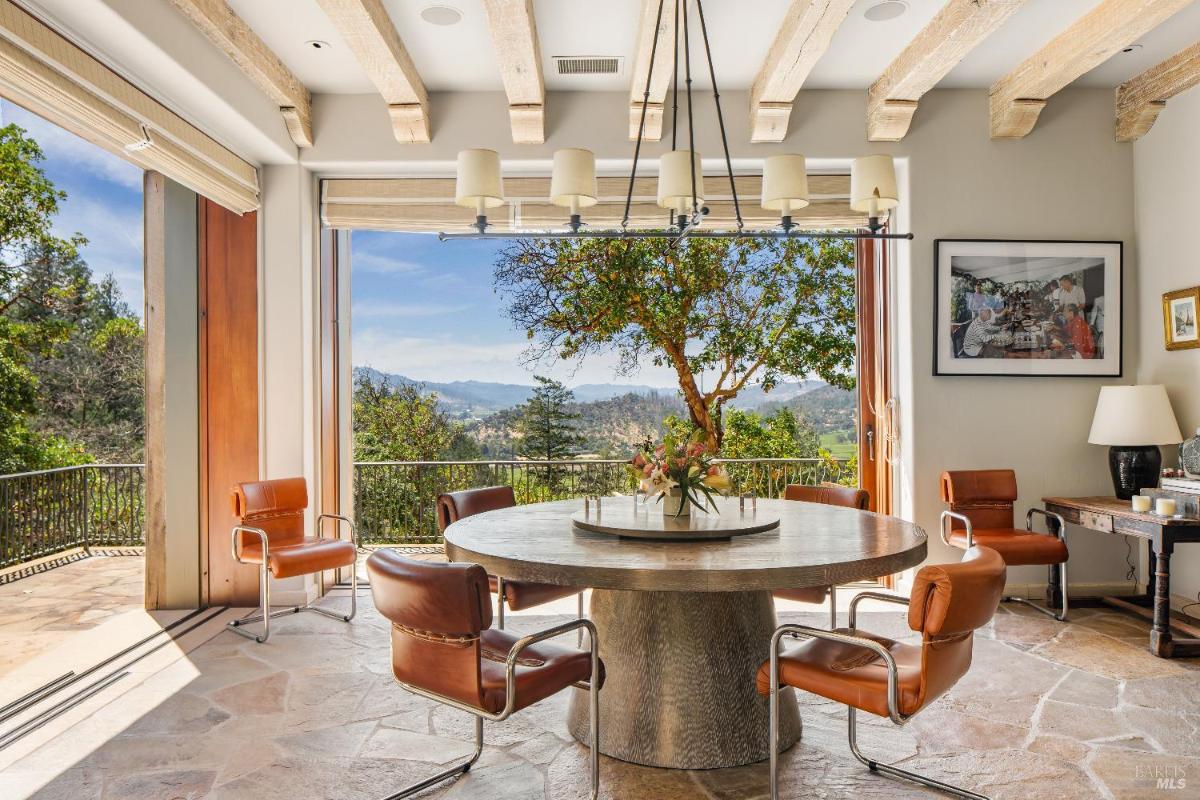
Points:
(1018, 98)
(514, 35)
(938, 48)
(368, 30)
(804, 36)
(660, 80)
(1140, 99)
(232, 36)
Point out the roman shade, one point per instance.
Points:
(50, 76)
(427, 204)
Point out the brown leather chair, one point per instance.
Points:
(444, 648)
(981, 512)
(830, 494)
(885, 677)
(270, 533)
(517, 595)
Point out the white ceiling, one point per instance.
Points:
(460, 57)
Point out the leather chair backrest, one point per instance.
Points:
(828, 493)
(948, 602)
(453, 506)
(276, 506)
(437, 611)
(984, 496)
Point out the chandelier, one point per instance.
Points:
(873, 191)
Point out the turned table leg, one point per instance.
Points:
(1160, 632)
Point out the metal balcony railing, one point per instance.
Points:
(51, 510)
(94, 505)
(394, 500)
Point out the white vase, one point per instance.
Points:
(676, 504)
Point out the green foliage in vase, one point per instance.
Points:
(745, 310)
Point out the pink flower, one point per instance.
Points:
(696, 448)
(681, 462)
(639, 460)
(660, 451)
(714, 470)
(647, 470)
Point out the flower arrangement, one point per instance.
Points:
(683, 471)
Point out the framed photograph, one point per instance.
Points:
(1179, 318)
(1036, 308)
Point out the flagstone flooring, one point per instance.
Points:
(1079, 710)
(41, 611)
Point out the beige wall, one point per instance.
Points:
(1067, 180)
(1167, 172)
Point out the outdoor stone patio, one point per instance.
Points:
(1048, 710)
(41, 611)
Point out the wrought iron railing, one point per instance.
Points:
(394, 500)
(51, 510)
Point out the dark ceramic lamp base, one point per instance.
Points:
(1134, 469)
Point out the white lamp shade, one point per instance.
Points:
(573, 179)
(675, 180)
(1134, 416)
(873, 184)
(479, 184)
(785, 183)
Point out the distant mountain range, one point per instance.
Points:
(480, 398)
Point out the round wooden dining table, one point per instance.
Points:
(684, 625)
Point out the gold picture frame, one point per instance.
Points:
(1181, 319)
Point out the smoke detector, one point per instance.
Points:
(886, 10)
(441, 16)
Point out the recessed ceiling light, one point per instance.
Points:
(441, 15)
(317, 44)
(1133, 48)
(885, 10)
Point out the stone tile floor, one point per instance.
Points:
(1079, 710)
(41, 611)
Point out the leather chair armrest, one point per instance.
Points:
(340, 518)
(889, 661)
(262, 535)
(1049, 515)
(510, 664)
(965, 520)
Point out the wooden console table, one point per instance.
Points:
(1110, 515)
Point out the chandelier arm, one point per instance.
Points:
(712, 73)
(675, 81)
(642, 125)
(687, 71)
(674, 236)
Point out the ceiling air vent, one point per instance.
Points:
(588, 65)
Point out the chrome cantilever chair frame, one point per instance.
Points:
(501, 603)
(264, 583)
(1061, 534)
(592, 686)
(893, 698)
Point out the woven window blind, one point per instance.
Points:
(45, 73)
(427, 204)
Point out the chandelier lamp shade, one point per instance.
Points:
(573, 182)
(681, 190)
(479, 184)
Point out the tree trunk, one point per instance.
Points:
(698, 409)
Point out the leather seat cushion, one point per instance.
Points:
(809, 594)
(849, 674)
(543, 669)
(521, 594)
(1016, 547)
(303, 558)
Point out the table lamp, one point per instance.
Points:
(1133, 421)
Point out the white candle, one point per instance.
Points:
(1141, 503)
(1165, 506)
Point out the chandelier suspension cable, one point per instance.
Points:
(687, 66)
(712, 74)
(675, 82)
(642, 125)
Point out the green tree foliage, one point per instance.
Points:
(547, 425)
(401, 423)
(744, 310)
(70, 350)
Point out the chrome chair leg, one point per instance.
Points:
(500, 602)
(832, 608)
(264, 594)
(579, 633)
(458, 769)
(896, 772)
(1060, 615)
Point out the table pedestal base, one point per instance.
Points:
(680, 690)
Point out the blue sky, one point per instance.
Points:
(427, 310)
(104, 200)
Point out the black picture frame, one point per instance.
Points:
(950, 361)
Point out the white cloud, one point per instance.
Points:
(61, 145)
(374, 309)
(114, 242)
(384, 265)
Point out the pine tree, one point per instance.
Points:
(546, 424)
